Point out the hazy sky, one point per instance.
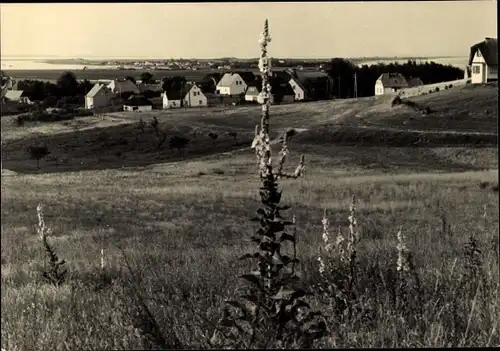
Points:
(209, 30)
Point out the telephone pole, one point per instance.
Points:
(355, 85)
(339, 88)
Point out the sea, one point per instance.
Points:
(38, 63)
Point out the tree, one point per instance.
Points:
(67, 84)
(175, 83)
(213, 136)
(146, 77)
(178, 143)
(342, 72)
(38, 152)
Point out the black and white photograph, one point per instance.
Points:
(249, 175)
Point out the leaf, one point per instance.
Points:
(277, 258)
(252, 279)
(261, 212)
(283, 294)
(289, 293)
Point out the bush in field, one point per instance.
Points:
(38, 152)
(179, 143)
(213, 136)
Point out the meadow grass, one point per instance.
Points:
(183, 233)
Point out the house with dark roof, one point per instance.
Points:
(390, 83)
(483, 61)
(137, 103)
(98, 97)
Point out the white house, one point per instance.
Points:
(253, 92)
(120, 86)
(298, 89)
(231, 84)
(138, 104)
(99, 96)
(194, 97)
(17, 96)
(483, 60)
(171, 99)
(390, 83)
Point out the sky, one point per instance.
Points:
(212, 30)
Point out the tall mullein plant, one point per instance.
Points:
(270, 311)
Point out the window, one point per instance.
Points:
(476, 69)
(478, 53)
(173, 103)
(200, 102)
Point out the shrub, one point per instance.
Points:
(38, 152)
(178, 143)
(437, 89)
(213, 136)
(53, 273)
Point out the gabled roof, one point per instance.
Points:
(393, 80)
(227, 79)
(14, 95)
(297, 82)
(137, 100)
(122, 86)
(188, 86)
(248, 76)
(415, 82)
(489, 50)
(95, 90)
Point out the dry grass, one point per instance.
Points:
(183, 232)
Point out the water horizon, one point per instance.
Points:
(39, 62)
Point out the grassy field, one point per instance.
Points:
(183, 221)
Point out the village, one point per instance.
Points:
(240, 87)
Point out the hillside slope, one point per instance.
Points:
(460, 117)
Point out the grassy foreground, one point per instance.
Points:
(183, 227)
